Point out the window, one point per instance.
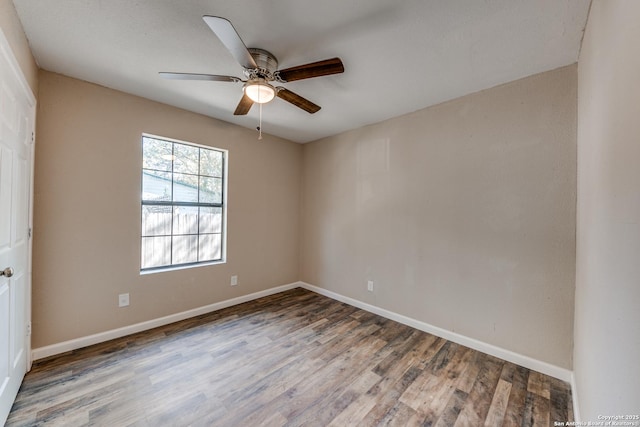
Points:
(183, 203)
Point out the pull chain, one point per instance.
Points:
(260, 126)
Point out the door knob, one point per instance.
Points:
(7, 272)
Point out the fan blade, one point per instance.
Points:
(244, 106)
(193, 76)
(297, 100)
(314, 69)
(231, 40)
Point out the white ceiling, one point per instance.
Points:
(399, 56)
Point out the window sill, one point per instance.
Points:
(181, 267)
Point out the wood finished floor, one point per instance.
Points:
(295, 358)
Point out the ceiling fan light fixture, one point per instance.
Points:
(259, 91)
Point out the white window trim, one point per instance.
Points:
(225, 175)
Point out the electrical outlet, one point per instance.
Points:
(123, 300)
(370, 285)
(234, 280)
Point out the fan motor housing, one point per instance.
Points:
(264, 59)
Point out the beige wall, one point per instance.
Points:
(12, 29)
(607, 324)
(463, 214)
(87, 212)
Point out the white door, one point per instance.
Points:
(16, 153)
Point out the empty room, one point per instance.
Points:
(297, 213)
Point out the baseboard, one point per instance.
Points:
(519, 359)
(574, 398)
(52, 350)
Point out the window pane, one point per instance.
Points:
(185, 220)
(156, 185)
(210, 190)
(156, 220)
(210, 247)
(186, 159)
(211, 163)
(156, 251)
(178, 181)
(210, 220)
(156, 154)
(185, 188)
(185, 249)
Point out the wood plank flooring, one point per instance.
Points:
(295, 359)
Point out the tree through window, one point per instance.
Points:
(182, 203)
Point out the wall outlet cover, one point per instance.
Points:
(123, 300)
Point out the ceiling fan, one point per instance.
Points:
(260, 70)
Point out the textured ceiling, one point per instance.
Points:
(399, 56)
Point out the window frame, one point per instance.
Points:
(171, 204)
